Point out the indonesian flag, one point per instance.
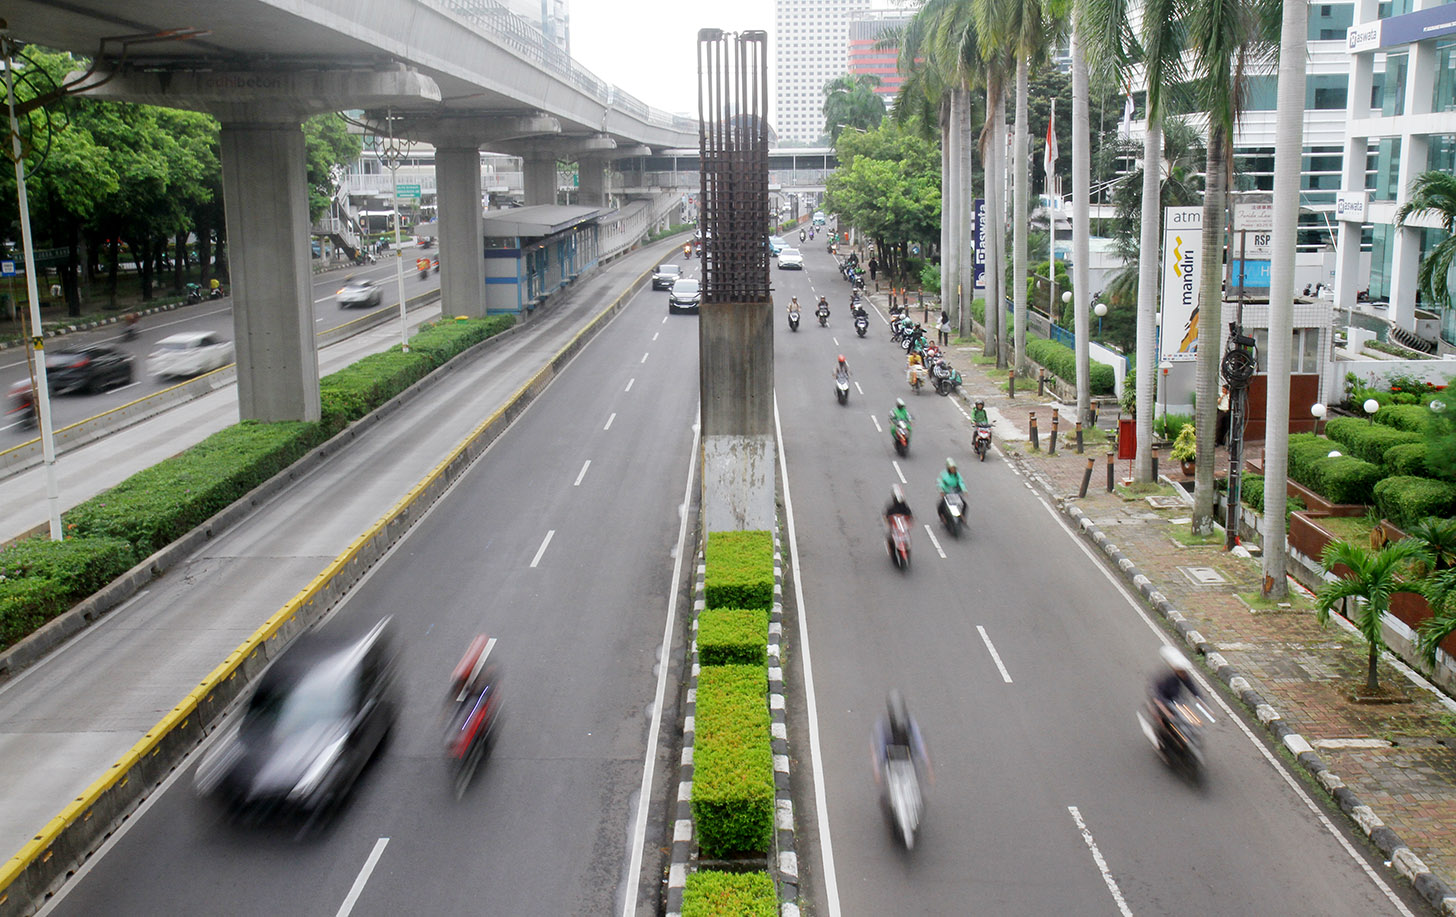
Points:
(1050, 161)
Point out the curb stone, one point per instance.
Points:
(784, 864)
(1432, 889)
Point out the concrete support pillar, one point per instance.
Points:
(592, 178)
(539, 175)
(462, 247)
(736, 370)
(265, 194)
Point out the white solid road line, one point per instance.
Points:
(629, 384)
(935, 541)
(542, 550)
(638, 829)
(358, 889)
(901, 475)
(1101, 863)
(644, 358)
(1208, 691)
(816, 754)
(585, 465)
(878, 428)
(609, 421)
(995, 656)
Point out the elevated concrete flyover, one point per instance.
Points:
(464, 74)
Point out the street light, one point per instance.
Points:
(1318, 412)
(1099, 310)
(1371, 406)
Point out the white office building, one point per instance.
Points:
(810, 47)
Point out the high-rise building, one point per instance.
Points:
(811, 47)
(866, 27)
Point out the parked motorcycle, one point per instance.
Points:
(947, 378)
(902, 790)
(897, 541)
(953, 511)
(194, 293)
(981, 440)
(216, 293)
(793, 319)
(900, 432)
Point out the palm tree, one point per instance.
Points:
(1229, 36)
(1434, 192)
(1440, 593)
(851, 101)
(1081, 190)
(1373, 578)
(1288, 159)
(996, 40)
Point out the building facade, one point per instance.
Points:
(865, 30)
(811, 48)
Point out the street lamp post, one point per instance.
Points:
(1099, 310)
(1371, 406)
(1318, 411)
(391, 156)
(1166, 366)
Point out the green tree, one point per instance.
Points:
(887, 185)
(851, 101)
(328, 143)
(1373, 577)
(1434, 192)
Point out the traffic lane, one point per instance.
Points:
(1007, 605)
(572, 735)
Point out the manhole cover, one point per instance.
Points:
(1163, 501)
(1203, 576)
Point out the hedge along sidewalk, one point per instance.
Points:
(703, 892)
(41, 865)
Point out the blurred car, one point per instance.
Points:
(791, 259)
(665, 276)
(87, 369)
(359, 293)
(776, 245)
(316, 718)
(190, 353)
(684, 296)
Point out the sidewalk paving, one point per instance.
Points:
(1399, 759)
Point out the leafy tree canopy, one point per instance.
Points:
(887, 184)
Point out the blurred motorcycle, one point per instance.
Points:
(473, 712)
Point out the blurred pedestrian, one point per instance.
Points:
(944, 327)
(874, 269)
(1221, 430)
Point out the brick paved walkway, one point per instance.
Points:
(1405, 769)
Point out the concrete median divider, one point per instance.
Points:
(39, 868)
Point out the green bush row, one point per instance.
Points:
(1410, 459)
(1061, 361)
(733, 781)
(1344, 479)
(152, 508)
(739, 570)
(1412, 418)
(710, 893)
(732, 636)
(1251, 494)
(1403, 499)
(1365, 440)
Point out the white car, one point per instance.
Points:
(791, 259)
(190, 354)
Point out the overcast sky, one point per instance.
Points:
(649, 47)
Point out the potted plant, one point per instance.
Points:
(1185, 448)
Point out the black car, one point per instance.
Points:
(316, 718)
(665, 275)
(93, 368)
(684, 296)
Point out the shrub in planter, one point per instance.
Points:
(1344, 479)
(1061, 361)
(1404, 500)
(1185, 447)
(1409, 459)
(1304, 450)
(1365, 440)
(733, 781)
(710, 893)
(1251, 492)
(26, 604)
(739, 570)
(732, 636)
(1412, 418)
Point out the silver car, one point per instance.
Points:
(359, 293)
(190, 354)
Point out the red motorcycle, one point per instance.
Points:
(20, 404)
(897, 541)
(475, 708)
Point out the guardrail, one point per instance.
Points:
(66, 841)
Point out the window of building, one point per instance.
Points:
(1263, 93)
(1443, 96)
(1328, 21)
(1393, 98)
(1326, 91)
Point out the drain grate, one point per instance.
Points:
(1163, 501)
(1203, 576)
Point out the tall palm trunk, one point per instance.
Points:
(988, 156)
(1020, 183)
(968, 204)
(1147, 355)
(948, 251)
(998, 228)
(1288, 156)
(1081, 223)
(1210, 317)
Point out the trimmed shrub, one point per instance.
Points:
(26, 604)
(1412, 418)
(1365, 440)
(1304, 450)
(1409, 459)
(1404, 499)
(76, 566)
(709, 893)
(733, 780)
(1344, 479)
(739, 570)
(732, 636)
(1061, 361)
(1251, 491)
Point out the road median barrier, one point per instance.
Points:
(41, 866)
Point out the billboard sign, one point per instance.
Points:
(978, 243)
(1254, 231)
(1182, 238)
(1350, 206)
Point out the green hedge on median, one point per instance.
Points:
(1061, 361)
(732, 636)
(710, 893)
(733, 780)
(739, 570)
(1404, 500)
(109, 533)
(1365, 440)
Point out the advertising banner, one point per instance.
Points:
(978, 244)
(1182, 237)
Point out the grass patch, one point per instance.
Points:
(1295, 601)
(1137, 491)
(1183, 534)
(1354, 529)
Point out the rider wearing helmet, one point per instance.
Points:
(950, 479)
(897, 505)
(1169, 686)
(901, 413)
(978, 413)
(793, 304)
(898, 729)
(823, 307)
(841, 370)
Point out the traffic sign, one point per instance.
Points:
(7, 268)
(411, 191)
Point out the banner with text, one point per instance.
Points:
(1182, 245)
(978, 244)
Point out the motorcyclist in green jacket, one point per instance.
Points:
(900, 413)
(978, 413)
(950, 480)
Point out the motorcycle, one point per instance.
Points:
(915, 375)
(841, 389)
(194, 293)
(861, 324)
(900, 431)
(953, 511)
(897, 541)
(216, 293)
(947, 378)
(902, 791)
(20, 404)
(793, 319)
(981, 440)
(1178, 735)
(476, 709)
(129, 326)
(822, 313)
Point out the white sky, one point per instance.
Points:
(648, 48)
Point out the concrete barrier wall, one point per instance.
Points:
(54, 854)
